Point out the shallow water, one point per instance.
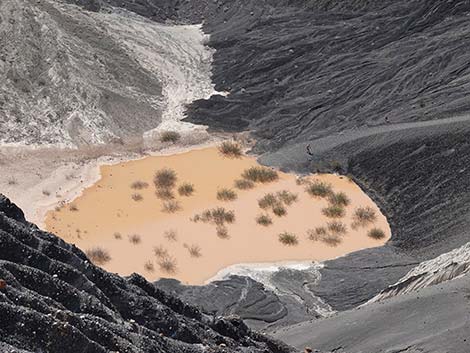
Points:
(107, 207)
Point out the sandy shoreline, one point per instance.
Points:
(42, 183)
(121, 214)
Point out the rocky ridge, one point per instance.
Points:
(52, 299)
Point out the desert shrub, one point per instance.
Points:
(221, 216)
(164, 194)
(333, 211)
(218, 216)
(186, 189)
(160, 251)
(288, 239)
(268, 201)
(244, 184)
(316, 234)
(319, 189)
(230, 149)
(135, 239)
(73, 208)
(139, 185)
(98, 255)
(171, 235)
(169, 136)
(331, 239)
(12, 181)
(226, 195)
(194, 250)
(46, 192)
(336, 166)
(287, 197)
(260, 175)
(148, 266)
(117, 236)
(222, 232)
(279, 210)
(167, 264)
(339, 199)
(137, 197)
(376, 233)
(264, 220)
(165, 178)
(171, 206)
(338, 228)
(364, 215)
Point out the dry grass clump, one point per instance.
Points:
(164, 194)
(186, 189)
(135, 239)
(165, 178)
(244, 184)
(276, 202)
(160, 251)
(376, 233)
(98, 255)
(268, 201)
(318, 188)
(226, 195)
(230, 149)
(364, 215)
(218, 216)
(171, 206)
(333, 211)
(139, 185)
(316, 234)
(336, 227)
(222, 232)
(260, 175)
(194, 250)
(73, 208)
(137, 197)
(332, 240)
(288, 239)
(169, 137)
(339, 199)
(167, 264)
(264, 220)
(287, 197)
(330, 235)
(171, 235)
(148, 266)
(279, 210)
(117, 236)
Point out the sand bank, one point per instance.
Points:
(107, 216)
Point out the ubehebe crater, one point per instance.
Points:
(373, 90)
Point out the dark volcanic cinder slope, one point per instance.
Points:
(434, 319)
(295, 73)
(55, 300)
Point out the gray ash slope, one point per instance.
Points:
(66, 80)
(55, 300)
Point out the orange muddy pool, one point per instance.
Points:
(108, 216)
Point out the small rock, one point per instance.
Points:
(308, 350)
